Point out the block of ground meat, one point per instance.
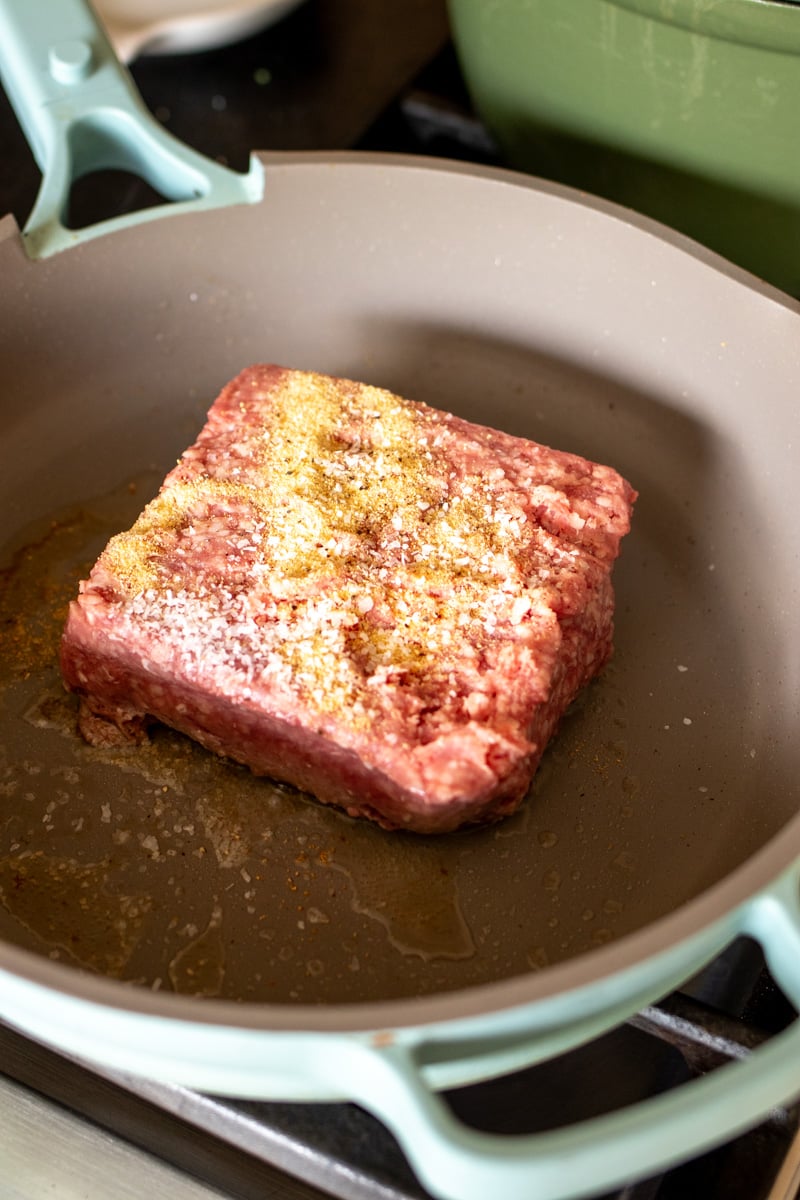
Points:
(381, 603)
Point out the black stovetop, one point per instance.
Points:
(382, 75)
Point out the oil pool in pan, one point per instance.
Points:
(191, 875)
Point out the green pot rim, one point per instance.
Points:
(764, 24)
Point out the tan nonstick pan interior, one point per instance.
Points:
(508, 303)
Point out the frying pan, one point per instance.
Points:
(166, 915)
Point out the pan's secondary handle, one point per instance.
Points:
(81, 112)
(458, 1163)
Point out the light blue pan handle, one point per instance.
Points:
(587, 1159)
(80, 112)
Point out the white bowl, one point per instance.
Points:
(183, 26)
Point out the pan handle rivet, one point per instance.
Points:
(70, 62)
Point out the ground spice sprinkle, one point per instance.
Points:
(324, 536)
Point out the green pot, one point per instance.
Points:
(685, 110)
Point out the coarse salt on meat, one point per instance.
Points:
(378, 602)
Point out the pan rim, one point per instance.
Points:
(518, 179)
(504, 176)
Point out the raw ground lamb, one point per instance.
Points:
(381, 603)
